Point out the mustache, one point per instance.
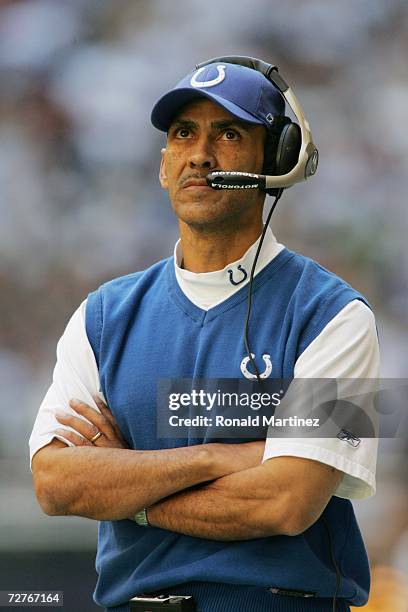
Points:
(197, 175)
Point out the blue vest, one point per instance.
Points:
(142, 328)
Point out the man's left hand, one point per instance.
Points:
(103, 422)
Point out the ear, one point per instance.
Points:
(162, 174)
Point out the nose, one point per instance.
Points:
(202, 154)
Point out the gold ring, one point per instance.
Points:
(96, 437)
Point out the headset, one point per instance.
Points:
(290, 154)
(290, 157)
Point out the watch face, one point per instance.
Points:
(141, 518)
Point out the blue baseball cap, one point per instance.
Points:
(243, 92)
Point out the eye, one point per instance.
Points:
(230, 134)
(182, 132)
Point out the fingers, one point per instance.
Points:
(104, 410)
(94, 423)
(88, 430)
(99, 419)
(73, 437)
(109, 416)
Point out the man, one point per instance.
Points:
(250, 527)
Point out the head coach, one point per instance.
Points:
(254, 526)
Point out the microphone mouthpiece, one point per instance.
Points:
(235, 180)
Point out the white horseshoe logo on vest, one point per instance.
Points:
(218, 79)
(264, 374)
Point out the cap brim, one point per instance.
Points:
(168, 106)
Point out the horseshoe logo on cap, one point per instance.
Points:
(218, 79)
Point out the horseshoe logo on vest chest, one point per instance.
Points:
(267, 371)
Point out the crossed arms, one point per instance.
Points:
(214, 491)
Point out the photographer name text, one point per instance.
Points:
(249, 421)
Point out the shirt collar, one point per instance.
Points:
(207, 289)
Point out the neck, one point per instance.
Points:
(205, 251)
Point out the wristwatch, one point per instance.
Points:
(141, 519)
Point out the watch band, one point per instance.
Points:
(141, 519)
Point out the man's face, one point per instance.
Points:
(204, 137)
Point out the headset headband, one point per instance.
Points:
(308, 159)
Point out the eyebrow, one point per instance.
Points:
(218, 125)
(226, 123)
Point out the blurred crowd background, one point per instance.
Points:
(80, 203)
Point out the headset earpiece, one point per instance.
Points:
(282, 146)
(287, 153)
